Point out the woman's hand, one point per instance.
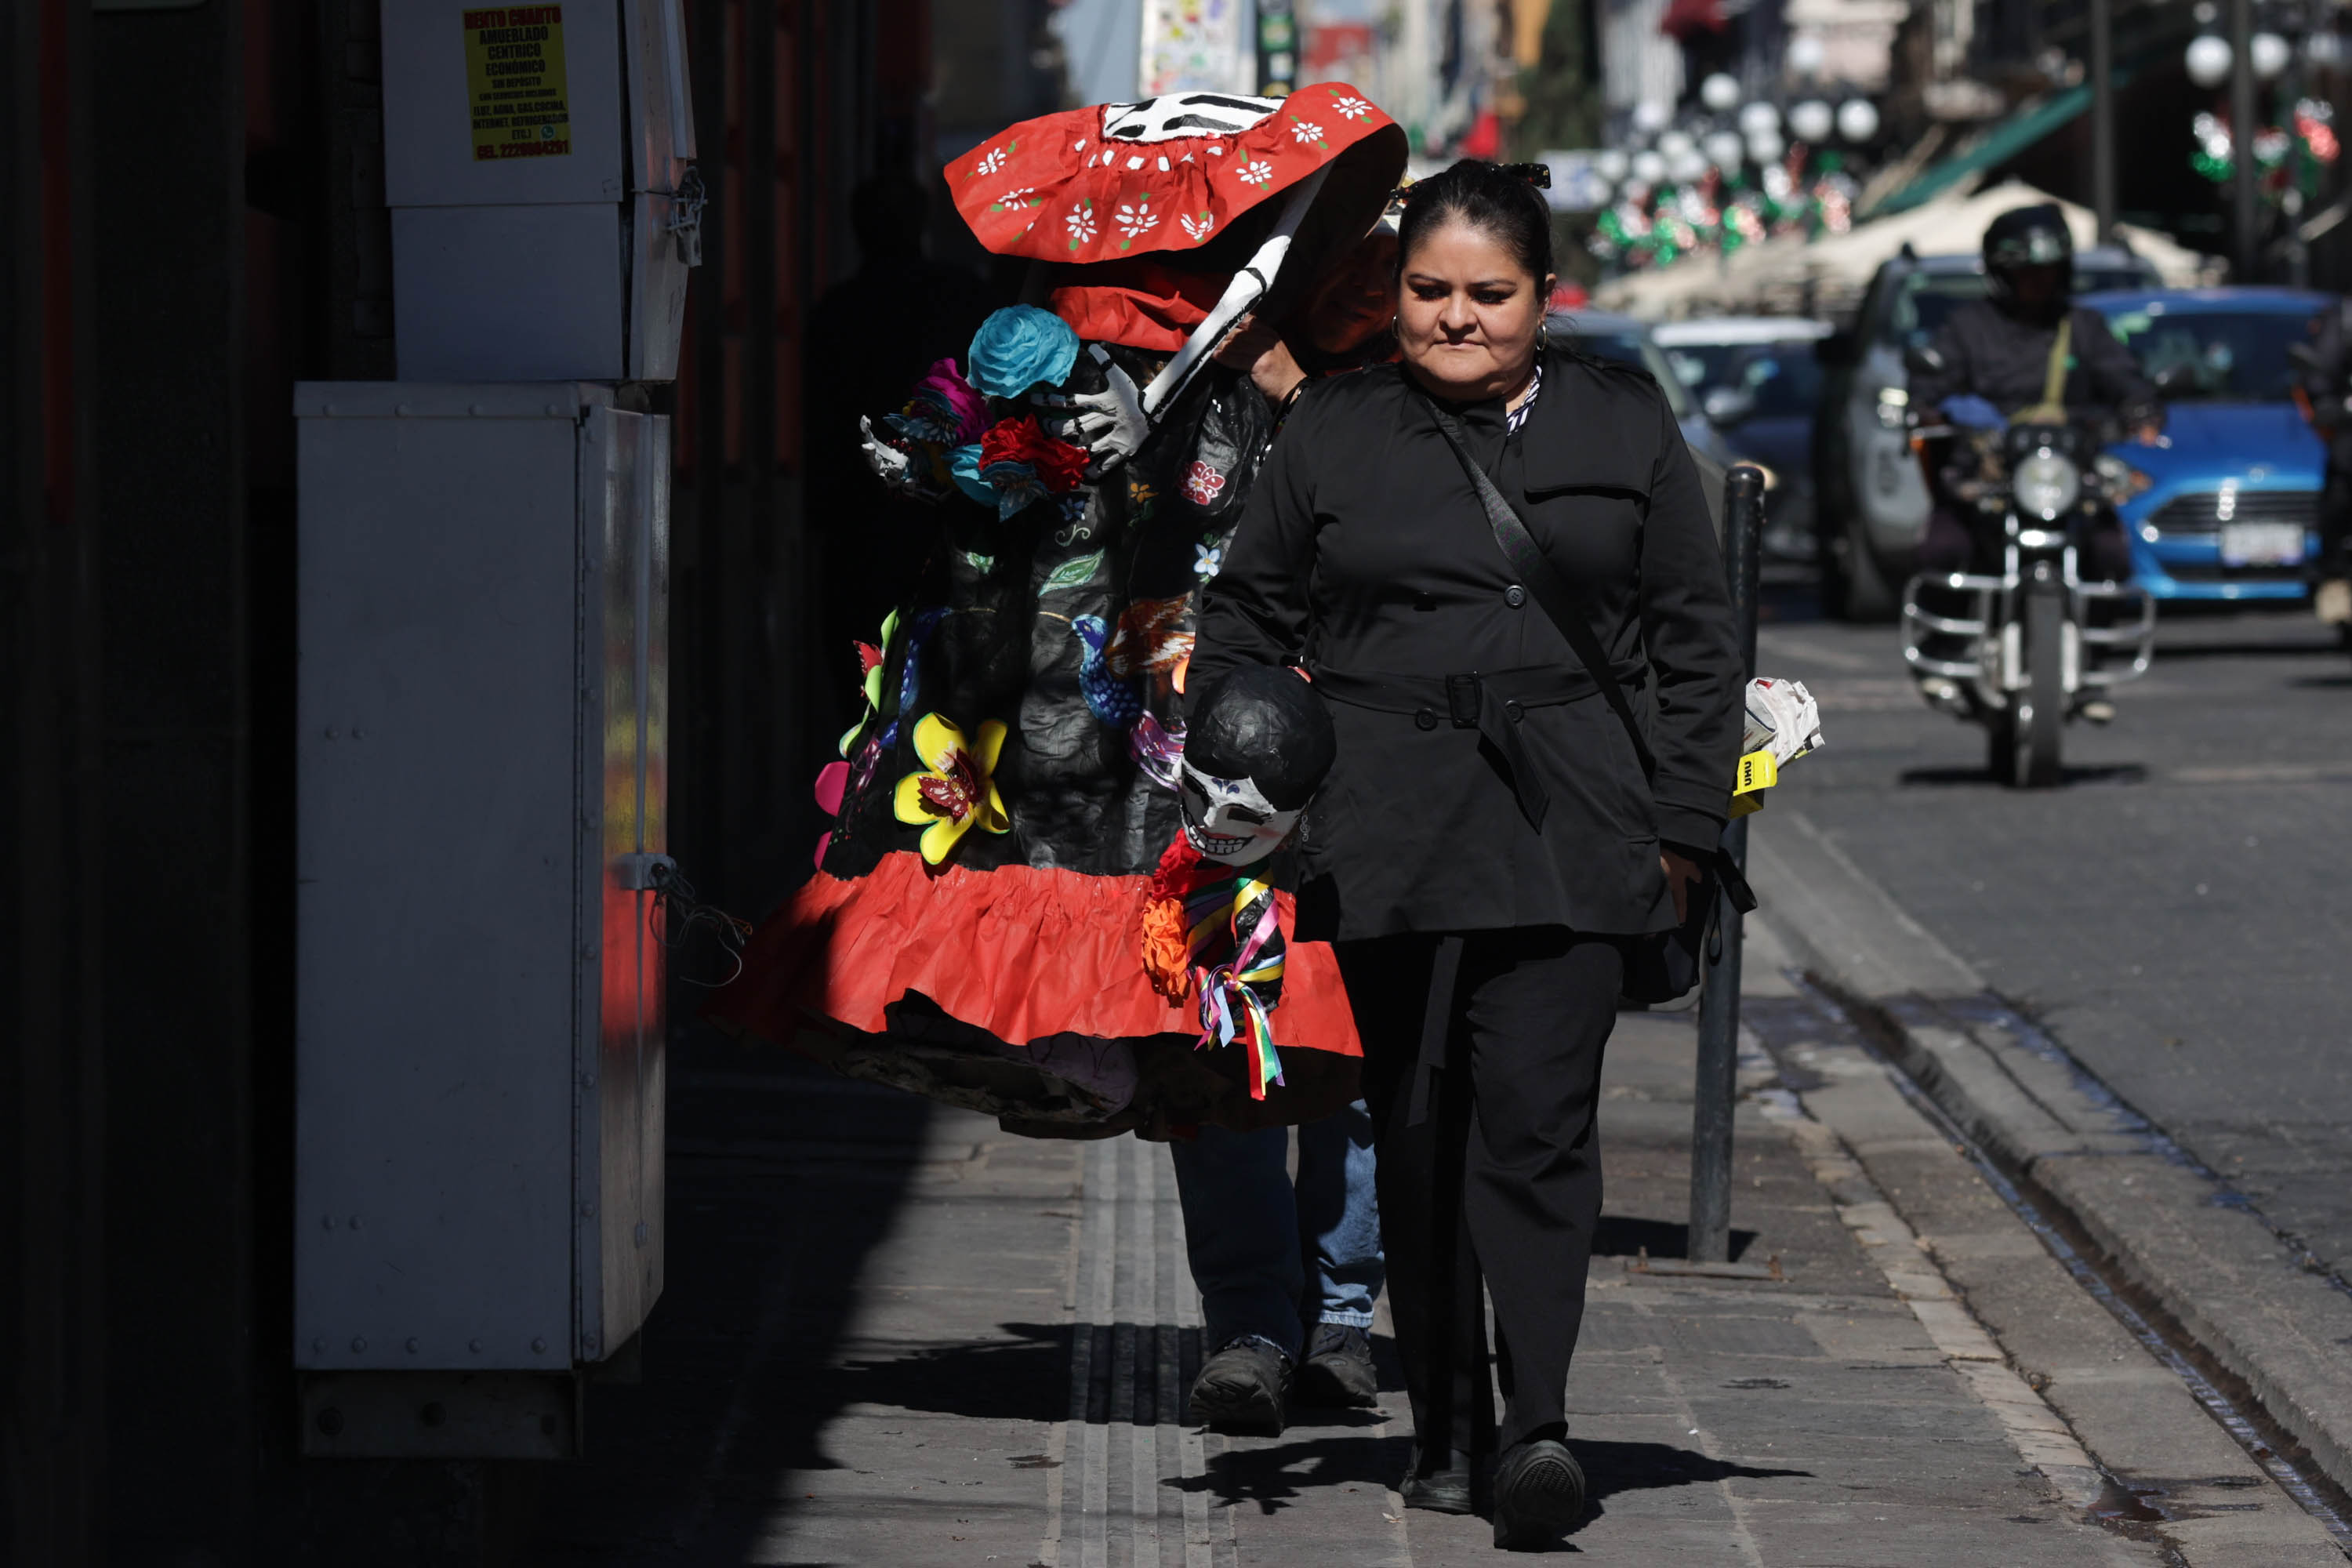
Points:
(1682, 875)
(1259, 349)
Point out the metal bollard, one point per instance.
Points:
(1718, 1000)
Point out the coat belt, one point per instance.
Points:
(1490, 703)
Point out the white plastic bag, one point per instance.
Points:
(1783, 719)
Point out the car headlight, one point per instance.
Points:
(2046, 484)
(2122, 480)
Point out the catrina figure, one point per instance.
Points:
(1005, 807)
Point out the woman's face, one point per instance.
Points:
(1467, 313)
(1355, 299)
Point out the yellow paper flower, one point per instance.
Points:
(956, 790)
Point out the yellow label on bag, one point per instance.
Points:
(1756, 770)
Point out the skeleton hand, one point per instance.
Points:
(889, 464)
(897, 468)
(1110, 424)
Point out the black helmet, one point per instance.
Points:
(2028, 236)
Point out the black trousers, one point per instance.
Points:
(1499, 1183)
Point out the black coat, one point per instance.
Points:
(1364, 552)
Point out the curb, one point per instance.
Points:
(2202, 1251)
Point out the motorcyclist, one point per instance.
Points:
(2326, 368)
(1996, 352)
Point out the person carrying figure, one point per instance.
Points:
(1288, 1270)
(1005, 800)
(1490, 842)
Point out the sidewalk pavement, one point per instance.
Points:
(896, 1335)
(2198, 1248)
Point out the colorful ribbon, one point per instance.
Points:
(1236, 995)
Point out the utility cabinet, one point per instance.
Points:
(539, 166)
(483, 593)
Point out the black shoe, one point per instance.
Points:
(1449, 1490)
(1242, 1390)
(1339, 1368)
(1539, 1494)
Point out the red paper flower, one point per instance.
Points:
(1059, 466)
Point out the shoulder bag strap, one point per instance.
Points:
(2051, 409)
(1539, 577)
(1544, 581)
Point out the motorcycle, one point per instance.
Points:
(2026, 654)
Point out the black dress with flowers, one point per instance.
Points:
(1011, 789)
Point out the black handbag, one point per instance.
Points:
(1662, 966)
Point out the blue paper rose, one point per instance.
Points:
(1018, 347)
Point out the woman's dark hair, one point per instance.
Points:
(1485, 196)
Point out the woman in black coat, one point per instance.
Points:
(1488, 840)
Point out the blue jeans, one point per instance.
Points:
(1252, 1235)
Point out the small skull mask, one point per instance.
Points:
(1230, 819)
(1254, 754)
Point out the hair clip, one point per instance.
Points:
(1537, 175)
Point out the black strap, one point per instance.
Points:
(1551, 591)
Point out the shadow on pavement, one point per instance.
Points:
(781, 1179)
(1614, 1468)
(1272, 1474)
(1619, 1236)
(1026, 1380)
(1981, 778)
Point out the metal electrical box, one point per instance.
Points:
(483, 712)
(538, 163)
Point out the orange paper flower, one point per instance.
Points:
(1167, 950)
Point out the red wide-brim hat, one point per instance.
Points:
(1173, 189)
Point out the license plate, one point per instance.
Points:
(2262, 543)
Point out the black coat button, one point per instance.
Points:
(1426, 719)
(1511, 711)
(1515, 595)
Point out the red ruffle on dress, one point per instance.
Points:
(1024, 953)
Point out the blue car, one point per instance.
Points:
(2227, 506)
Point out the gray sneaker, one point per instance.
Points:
(1339, 1368)
(1242, 1390)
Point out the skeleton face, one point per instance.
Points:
(1229, 820)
